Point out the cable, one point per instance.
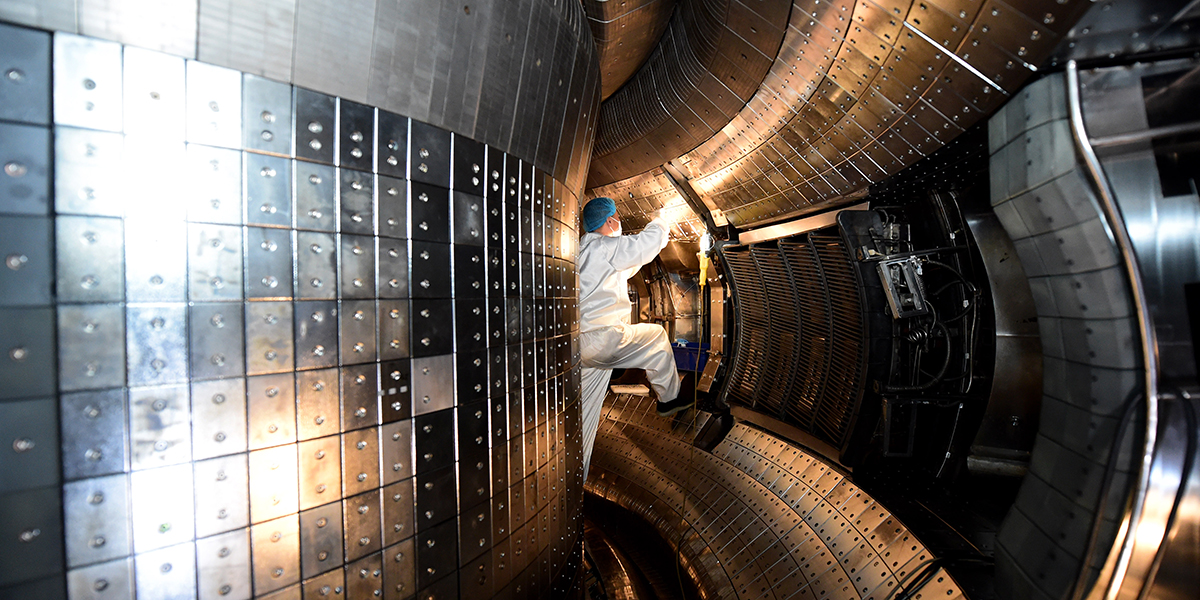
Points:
(923, 571)
(936, 379)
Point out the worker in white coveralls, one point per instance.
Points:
(607, 340)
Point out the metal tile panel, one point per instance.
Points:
(156, 348)
(88, 255)
(94, 433)
(216, 339)
(266, 113)
(360, 397)
(269, 338)
(96, 520)
(356, 191)
(113, 580)
(433, 383)
(214, 185)
(223, 565)
(321, 540)
(214, 105)
(222, 501)
(268, 189)
(159, 426)
(318, 410)
(315, 125)
(362, 516)
(162, 511)
(271, 410)
(214, 262)
(166, 573)
(25, 151)
(25, 94)
(397, 448)
(87, 83)
(275, 553)
(320, 471)
(316, 265)
(360, 457)
(273, 483)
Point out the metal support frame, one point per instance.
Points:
(1115, 225)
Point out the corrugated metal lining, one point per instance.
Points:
(626, 31)
(758, 517)
(708, 63)
(799, 338)
(857, 91)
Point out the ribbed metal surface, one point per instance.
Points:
(261, 341)
(843, 377)
(758, 517)
(626, 31)
(751, 326)
(707, 64)
(783, 348)
(800, 354)
(859, 90)
(815, 347)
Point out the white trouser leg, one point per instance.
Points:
(594, 384)
(642, 346)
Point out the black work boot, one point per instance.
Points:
(681, 403)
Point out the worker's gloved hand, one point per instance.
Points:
(667, 216)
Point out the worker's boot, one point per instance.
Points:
(683, 402)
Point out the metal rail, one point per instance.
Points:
(1115, 224)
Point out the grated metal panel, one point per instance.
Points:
(800, 353)
(751, 327)
(784, 326)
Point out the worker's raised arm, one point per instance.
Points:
(633, 251)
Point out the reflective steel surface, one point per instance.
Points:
(759, 517)
(854, 92)
(249, 324)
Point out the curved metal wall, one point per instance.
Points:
(1088, 315)
(518, 75)
(758, 517)
(261, 340)
(626, 32)
(856, 91)
(707, 65)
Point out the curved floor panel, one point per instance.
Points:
(759, 517)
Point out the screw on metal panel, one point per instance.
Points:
(18, 354)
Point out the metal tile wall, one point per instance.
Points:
(259, 340)
(759, 517)
(799, 348)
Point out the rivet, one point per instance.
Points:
(16, 261)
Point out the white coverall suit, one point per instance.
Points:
(607, 341)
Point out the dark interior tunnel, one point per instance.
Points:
(290, 304)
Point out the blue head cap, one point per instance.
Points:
(596, 212)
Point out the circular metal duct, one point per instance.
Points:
(856, 92)
(707, 65)
(625, 31)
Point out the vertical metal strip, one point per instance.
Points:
(1115, 224)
